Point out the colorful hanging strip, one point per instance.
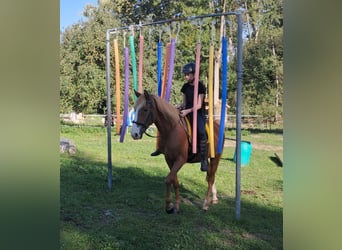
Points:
(166, 67)
(223, 95)
(170, 70)
(141, 58)
(134, 64)
(159, 67)
(194, 121)
(211, 108)
(124, 125)
(117, 86)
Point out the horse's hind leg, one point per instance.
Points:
(214, 192)
(211, 184)
(207, 200)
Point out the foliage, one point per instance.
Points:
(82, 51)
(263, 59)
(131, 215)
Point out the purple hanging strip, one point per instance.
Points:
(124, 123)
(171, 67)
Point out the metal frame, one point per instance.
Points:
(238, 93)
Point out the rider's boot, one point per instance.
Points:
(204, 154)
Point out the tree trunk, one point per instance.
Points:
(248, 20)
(276, 119)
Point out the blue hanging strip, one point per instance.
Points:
(223, 95)
(159, 67)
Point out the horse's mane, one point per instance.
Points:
(168, 111)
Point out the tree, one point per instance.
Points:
(263, 54)
(82, 50)
(82, 67)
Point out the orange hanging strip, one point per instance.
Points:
(117, 81)
(166, 69)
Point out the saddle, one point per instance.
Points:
(188, 129)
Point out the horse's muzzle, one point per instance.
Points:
(136, 132)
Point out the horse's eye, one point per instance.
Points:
(145, 110)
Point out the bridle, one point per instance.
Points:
(148, 118)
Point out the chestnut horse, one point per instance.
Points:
(173, 142)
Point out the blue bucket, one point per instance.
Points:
(246, 151)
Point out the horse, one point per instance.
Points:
(174, 143)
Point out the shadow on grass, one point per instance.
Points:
(131, 215)
(276, 160)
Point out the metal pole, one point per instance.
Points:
(238, 116)
(109, 111)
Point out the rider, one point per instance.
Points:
(186, 108)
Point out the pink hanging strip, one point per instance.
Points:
(194, 121)
(170, 70)
(141, 57)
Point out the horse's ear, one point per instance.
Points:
(137, 94)
(147, 95)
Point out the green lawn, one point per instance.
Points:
(131, 215)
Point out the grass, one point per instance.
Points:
(131, 215)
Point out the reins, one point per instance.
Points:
(152, 136)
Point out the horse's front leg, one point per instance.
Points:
(168, 204)
(176, 188)
(172, 179)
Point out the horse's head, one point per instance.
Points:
(143, 118)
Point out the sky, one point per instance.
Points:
(71, 11)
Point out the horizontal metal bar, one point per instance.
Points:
(115, 30)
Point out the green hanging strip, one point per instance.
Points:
(134, 65)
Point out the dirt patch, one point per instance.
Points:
(260, 146)
(248, 192)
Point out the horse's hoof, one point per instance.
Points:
(215, 201)
(205, 208)
(172, 211)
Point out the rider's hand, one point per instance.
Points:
(179, 106)
(184, 112)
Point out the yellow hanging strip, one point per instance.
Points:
(210, 94)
